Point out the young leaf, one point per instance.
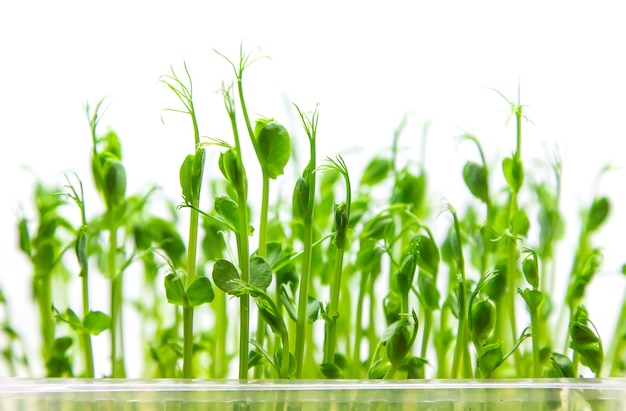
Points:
(260, 272)
(598, 213)
(482, 320)
(228, 209)
(475, 177)
(185, 179)
(114, 183)
(513, 173)
(520, 223)
(274, 147)
(376, 171)
(95, 322)
(490, 359)
(225, 276)
(530, 267)
(200, 291)
(174, 290)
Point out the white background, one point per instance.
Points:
(365, 63)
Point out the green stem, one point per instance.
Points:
(262, 251)
(618, 345)
(331, 324)
(358, 327)
(304, 295)
(188, 311)
(536, 337)
(428, 323)
(45, 307)
(87, 347)
(305, 280)
(117, 357)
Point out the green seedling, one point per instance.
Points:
(345, 281)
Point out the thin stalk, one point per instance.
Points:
(310, 125)
(615, 354)
(358, 326)
(428, 323)
(188, 310)
(460, 360)
(243, 245)
(118, 369)
(44, 298)
(185, 95)
(331, 323)
(262, 251)
(536, 337)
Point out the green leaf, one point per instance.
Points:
(376, 171)
(273, 318)
(228, 209)
(429, 257)
(174, 290)
(530, 267)
(409, 189)
(300, 199)
(399, 338)
(330, 371)
(313, 309)
(80, 247)
(289, 301)
(520, 223)
(513, 173)
(560, 366)
(24, 236)
(533, 298)
(274, 147)
(226, 277)
(378, 370)
(114, 183)
(598, 213)
(260, 272)
(229, 167)
(475, 177)
(490, 359)
(392, 306)
(185, 179)
(73, 320)
(200, 291)
(482, 320)
(95, 322)
(428, 290)
(197, 171)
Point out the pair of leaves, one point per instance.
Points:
(94, 322)
(199, 292)
(227, 277)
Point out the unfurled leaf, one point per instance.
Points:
(226, 276)
(200, 292)
(95, 322)
(174, 290)
(376, 171)
(260, 272)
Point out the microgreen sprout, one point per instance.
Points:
(342, 283)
